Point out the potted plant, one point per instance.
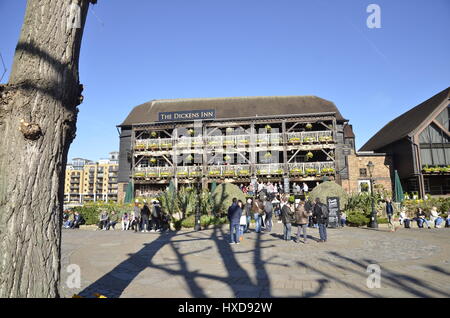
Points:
(229, 130)
(268, 128)
(153, 160)
(153, 134)
(308, 140)
(244, 172)
(309, 155)
(294, 140)
(267, 155)
(191, 131)
(189, 158)
(308, 126)
(227, 158)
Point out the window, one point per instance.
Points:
(363, 172)
(434, 147)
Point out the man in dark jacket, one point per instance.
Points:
(389, 211)
(156, 217)
(268, 209)
(234, 216)
(320, 213)
(287, 216)
(145, 213)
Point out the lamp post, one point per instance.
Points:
(197, 226)
(373, 218)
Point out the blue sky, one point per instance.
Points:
(137, 50)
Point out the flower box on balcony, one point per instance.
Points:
(182, 173)
(228, 142)
(325, 138)
(327, 171)
(294, 140)
(139, 175)
(166, 174)
(214, 173)
(244, 172)
(243, 141)
(262, 171)
(278, 171)
(229, 173)
(166, 145)
(296, 171)
(196, 143)
(309, 140)
(194, 173)
(152, 175)
(311, 171)
(139, 147)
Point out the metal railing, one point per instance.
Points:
(234, 140)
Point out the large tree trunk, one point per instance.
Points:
(38, 111)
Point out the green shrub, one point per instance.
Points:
(382, 221)
(329, 189)
(205, 221)
(223, 195)
(357, 218)
(188, 222)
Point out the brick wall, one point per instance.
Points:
(381, 175)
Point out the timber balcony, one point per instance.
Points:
(317, 138)
(305, 170)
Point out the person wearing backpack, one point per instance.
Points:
(287, 216)
(320, 214)
(268, 209)
(302, 219)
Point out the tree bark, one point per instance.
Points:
(38, 112)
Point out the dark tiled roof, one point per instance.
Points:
(348, 131)
(235, 107)
(406, 124)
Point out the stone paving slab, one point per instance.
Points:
(414, 263)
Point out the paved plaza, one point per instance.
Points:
(413, 262)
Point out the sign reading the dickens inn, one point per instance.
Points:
(333, 211)
(187, 115)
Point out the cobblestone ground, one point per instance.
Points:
(413, 262)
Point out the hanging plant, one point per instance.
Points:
(189, 158)
(153, 134)
(227, 158)
(267, 155)
(153, 160)
(229, 130)
(309, 155)
(268, 128)
(308, 126)
(191, 131)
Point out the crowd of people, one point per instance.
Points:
(273, 188)
(420, 217)
(301, 214)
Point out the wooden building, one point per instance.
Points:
(419, 143)
(240, 140)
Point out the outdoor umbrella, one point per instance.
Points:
(129, 193)
(399, 197)
(213, 186)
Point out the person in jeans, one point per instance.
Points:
(113, 220)
(257, 209)
(320, 214)
(302, 219)
(286, 217)
(268, 209)
(248, 214)
(145, 214)
(125, 221)
(234, 216)
(421, 218)
(156, 217)
(343, 218)
(389, 211)
(103, 220)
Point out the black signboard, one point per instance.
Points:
(187, 115)
(334, 211)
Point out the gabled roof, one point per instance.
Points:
(235, 107)
(406, 124)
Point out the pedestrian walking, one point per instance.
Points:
(234, 216)
(286, 217)
(156, 217)
(248, 214)
(301, 219)
(136, 221)
(320, 215)
(268, 210)
(257, 210)
(389, 211)
(145, 214)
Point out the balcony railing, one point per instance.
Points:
(304, 169)
(313, 137)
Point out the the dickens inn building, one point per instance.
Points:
(239, 140)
